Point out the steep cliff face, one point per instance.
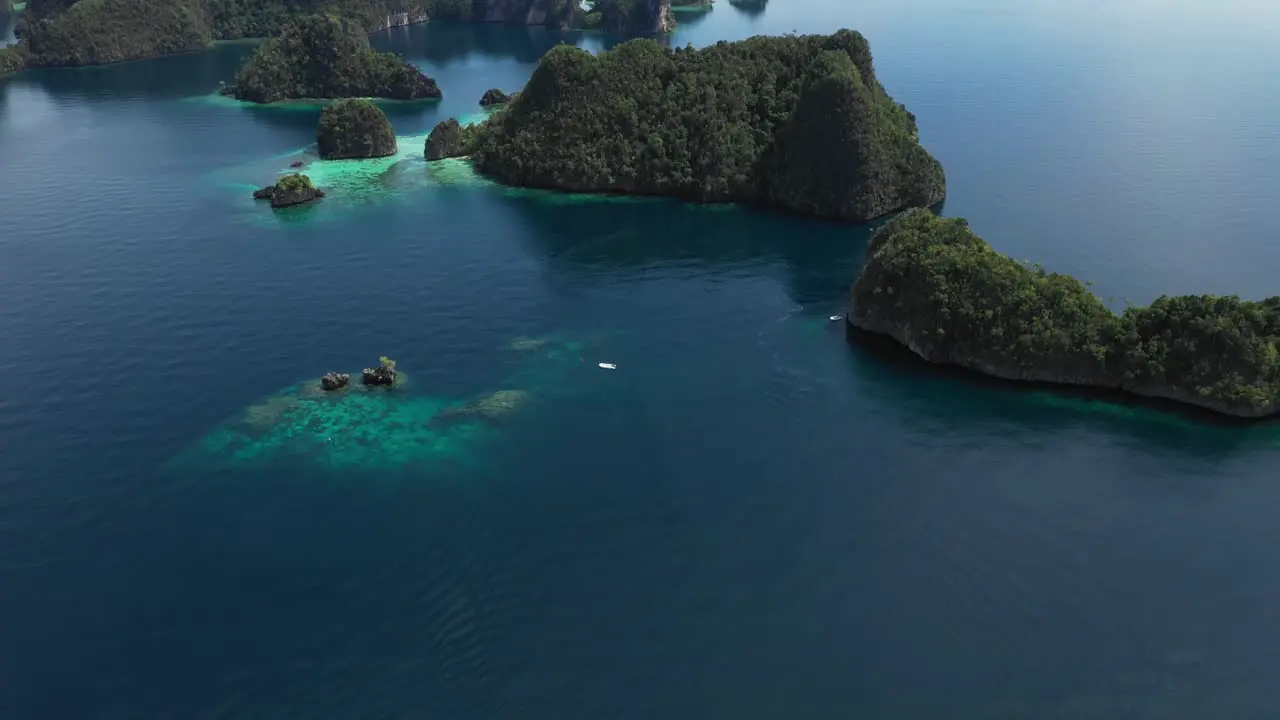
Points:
(400, 19)
(662, 19)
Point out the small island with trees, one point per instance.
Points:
(933, 285)
(292, 189)
(799, 123)
(354, 128)
(324, 57)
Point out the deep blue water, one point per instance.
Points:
(750, 518)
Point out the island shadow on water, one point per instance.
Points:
(1037, 407)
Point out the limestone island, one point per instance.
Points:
(798, 123)
(56, 33)
(322, 57)
(292, 189)
(354, 129)
(933, 285)
(494, 96)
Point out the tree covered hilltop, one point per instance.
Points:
(91, 32)
(799, 123)
(936, 287)
(325, 57)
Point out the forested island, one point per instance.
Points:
(936, 287)
(292, 189)
(90, 32)
(796, 122)
(354, 128)
(320, 56)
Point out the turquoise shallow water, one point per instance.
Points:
(750, 517)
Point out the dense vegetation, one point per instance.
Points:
(64, 32)
(494, 96)
(942, 290)
(13, 58)
(354, 129)
(291, 189)
(325, 57)
(295, 182)
(796, 122)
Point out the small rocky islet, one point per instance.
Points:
(494, 96)
(450, 138)
(289, 190)
(382, 374)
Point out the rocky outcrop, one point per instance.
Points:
(449, 138)
(334, 381)
(384, 374)
(663, 21)
(290, 190)
(494, 96)
(400, 19)
(354, 129)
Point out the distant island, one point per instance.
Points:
(936, 287)
(319, 56)
(91, 32)
(449, 138)
(797, 123)
(354, 129)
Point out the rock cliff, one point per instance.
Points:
(449, 138)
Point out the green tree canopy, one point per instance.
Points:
(321, 56)
(942, 290)
(796, 122)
